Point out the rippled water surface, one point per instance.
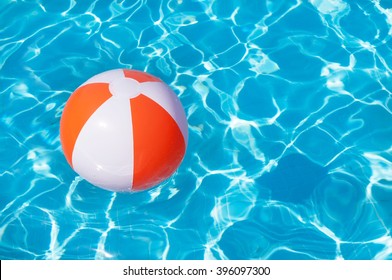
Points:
(290, 128)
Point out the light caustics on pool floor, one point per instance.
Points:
(289, 110)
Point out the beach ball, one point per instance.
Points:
(124, 130)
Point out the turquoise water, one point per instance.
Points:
(290, 128)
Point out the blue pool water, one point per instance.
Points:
(290, 127)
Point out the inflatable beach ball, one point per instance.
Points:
(124, 130)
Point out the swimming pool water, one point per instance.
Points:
(290, 128)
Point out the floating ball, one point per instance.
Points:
(124, 130)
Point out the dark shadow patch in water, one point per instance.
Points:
(386, 4)
(294, 179)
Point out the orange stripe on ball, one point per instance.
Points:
(141, 77)
(158, 143)
(80, 106)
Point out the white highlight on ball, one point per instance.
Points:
(124, 88)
